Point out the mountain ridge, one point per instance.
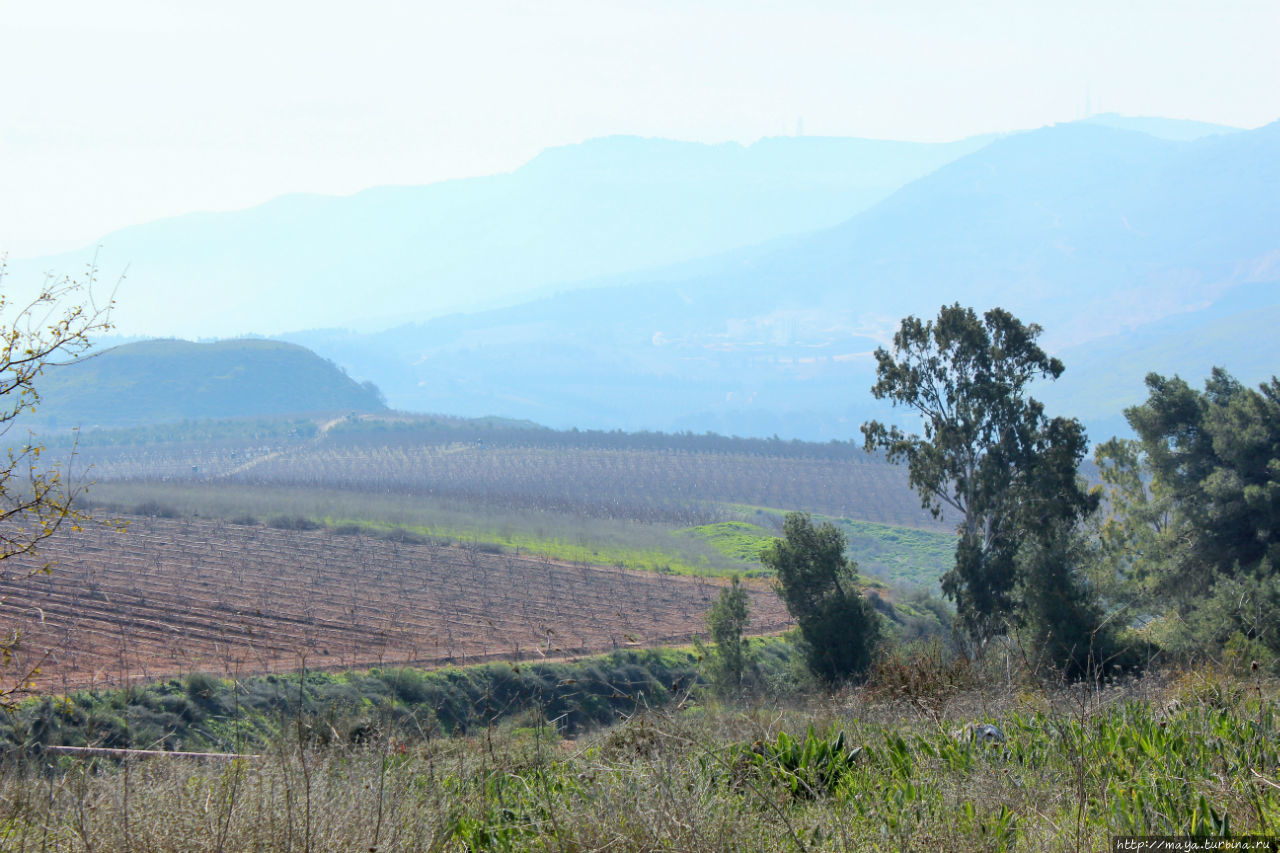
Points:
(388, 253)
(1090, 231)
(1096, 232)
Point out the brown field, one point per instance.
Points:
(168, 597)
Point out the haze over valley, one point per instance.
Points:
(745, 285)
(614, 426)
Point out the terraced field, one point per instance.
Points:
(173, 596)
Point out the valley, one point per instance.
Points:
(432, 452)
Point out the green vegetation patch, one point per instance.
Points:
(670, 560)
(624, 543)
(1015, 766)
(901, 555)
(1136, 770)
(737, 539)
(905, 556)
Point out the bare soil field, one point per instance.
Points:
(168, 597)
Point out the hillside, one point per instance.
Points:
(154, 382)
(600, 208)
(1093, 232)
(268, 599)
(686, 504)
(1107, 375)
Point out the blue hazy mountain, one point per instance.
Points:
(1119, 243)
(601, 208)
(1106, 375)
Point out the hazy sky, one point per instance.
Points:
(121, 112)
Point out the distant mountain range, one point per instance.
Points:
(1135, 253)
(390, 254)
(1175, 129)
(661, 285)
(164, 381)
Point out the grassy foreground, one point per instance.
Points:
(876, 768)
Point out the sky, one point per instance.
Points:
(113, 114)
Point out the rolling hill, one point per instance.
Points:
(162, 381)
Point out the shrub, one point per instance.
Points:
(346, 529)
(818, 584)
(921, 673)
(292, 522)
(205, 690)
(155, 509)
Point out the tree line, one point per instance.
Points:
(1173, 553)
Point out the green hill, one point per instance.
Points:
(163, 381)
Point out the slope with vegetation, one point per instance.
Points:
(376, 761)
(163, 381)
(168, 596)
(642, 500)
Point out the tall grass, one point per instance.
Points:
(867, 769)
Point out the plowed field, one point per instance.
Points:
(167, 597)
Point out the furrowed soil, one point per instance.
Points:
(167, 597)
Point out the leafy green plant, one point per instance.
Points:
(806, 767)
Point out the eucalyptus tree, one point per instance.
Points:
(987, 455)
